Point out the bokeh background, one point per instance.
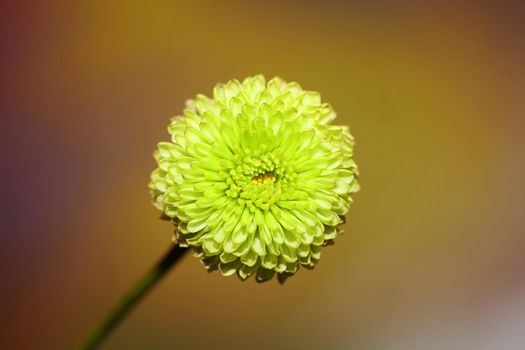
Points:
(434, 251)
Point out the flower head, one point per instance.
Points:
(257, 178)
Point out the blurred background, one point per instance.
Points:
(433, 255)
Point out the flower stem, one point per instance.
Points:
(144, 285)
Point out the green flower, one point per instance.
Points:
(257, 179)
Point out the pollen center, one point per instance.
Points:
(264, 178)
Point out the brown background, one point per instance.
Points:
(434, 252)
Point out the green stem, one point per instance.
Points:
(146, 283)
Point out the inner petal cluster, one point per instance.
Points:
(260, 181)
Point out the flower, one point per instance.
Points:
(257, 179)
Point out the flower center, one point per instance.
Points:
(258, 180)
(264, 178)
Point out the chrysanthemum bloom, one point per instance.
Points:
(257, 179)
